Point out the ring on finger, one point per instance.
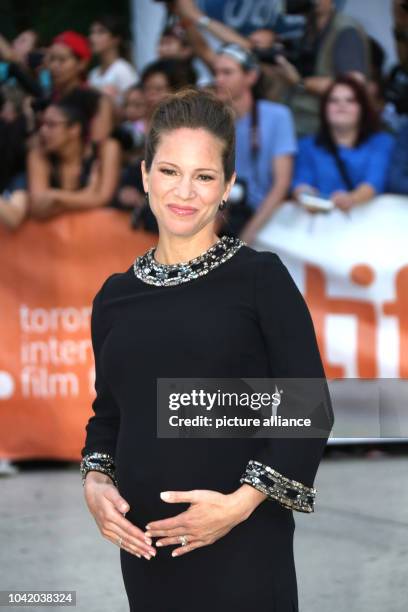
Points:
(183, 540)
(120, 542)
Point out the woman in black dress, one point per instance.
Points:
(197, 306)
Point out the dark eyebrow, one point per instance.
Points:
(197, 169)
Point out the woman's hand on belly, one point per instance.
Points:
(211, 515)
(108, 508)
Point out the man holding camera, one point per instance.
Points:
(333, 43)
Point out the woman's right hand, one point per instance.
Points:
(108, 508)
(303, 188)
(297, 194)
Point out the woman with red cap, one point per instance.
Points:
(68, 59)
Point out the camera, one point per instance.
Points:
(268, 56)
(296, 14)
(295, 52)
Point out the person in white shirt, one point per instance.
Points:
(114, 75)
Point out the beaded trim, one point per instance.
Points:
(289, 493)
(147, 269)
(98, 462)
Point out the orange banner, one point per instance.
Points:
(50, 273)
(52, 270)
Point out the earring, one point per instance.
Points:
(222, 205)
(147, 198)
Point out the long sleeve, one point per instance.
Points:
(102, 428)
(304, 171)
(285, 468)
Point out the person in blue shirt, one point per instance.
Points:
(348, 160)
(265, 136)
(398, 176)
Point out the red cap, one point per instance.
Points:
(76, 42)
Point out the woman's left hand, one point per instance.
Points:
(343, 200)
(210, 516)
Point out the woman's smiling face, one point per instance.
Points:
(186, 181)
(343, 109)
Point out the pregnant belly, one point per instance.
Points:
(145, 467)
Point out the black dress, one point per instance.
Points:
(240, 316)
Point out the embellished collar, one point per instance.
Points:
(150, 271)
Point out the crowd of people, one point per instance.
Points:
(316, 113)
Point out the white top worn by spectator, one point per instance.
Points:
(115, 80)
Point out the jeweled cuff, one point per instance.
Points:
(98, 462)
(289, 493)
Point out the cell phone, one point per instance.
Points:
(309, 200)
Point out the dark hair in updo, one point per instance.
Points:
(196, 109)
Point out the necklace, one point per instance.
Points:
(147, 269)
